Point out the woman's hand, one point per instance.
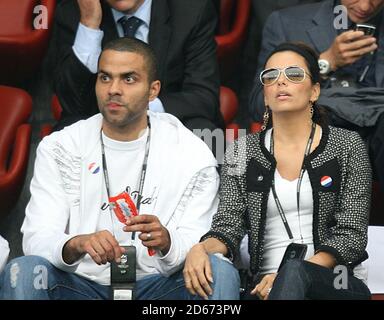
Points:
(197, 272)
(264, 287)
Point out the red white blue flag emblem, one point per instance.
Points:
(94, 168)
(326, 181)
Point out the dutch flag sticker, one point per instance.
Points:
(326, 181)
(94, 168)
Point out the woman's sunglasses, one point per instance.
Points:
(294, 74)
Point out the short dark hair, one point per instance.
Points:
(136, 46)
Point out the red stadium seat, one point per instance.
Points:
(15, 134)
(22, 47)
(255, 127)
(229, 106)
(233, 22)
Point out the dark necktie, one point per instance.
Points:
(130, 25)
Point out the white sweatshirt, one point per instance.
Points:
(4, 252)
(67, 193)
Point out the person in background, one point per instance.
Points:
(351, 64)
(181, 33)
(260, 11)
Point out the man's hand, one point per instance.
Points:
(153, 234)
(90, 13)
(264, 287)
(101, 246)
(347, 48)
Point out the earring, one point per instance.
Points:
(312, 103)
(265, 119)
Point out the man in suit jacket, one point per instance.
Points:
(314, 25)
(350, 72)
(181, 32)
(260, 11)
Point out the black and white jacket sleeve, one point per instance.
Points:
(346, 237)
(228, 223)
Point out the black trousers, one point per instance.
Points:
(303, 280)
(300, 280)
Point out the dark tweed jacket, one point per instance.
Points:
(340, 213)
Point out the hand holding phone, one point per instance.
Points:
(349, 46)
(368, 29)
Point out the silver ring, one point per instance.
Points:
(269, 290)
(149, 236)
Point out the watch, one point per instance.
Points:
(324, 67)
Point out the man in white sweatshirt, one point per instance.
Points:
(75, 223)
(4, 252)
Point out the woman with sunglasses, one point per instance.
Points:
(300, 189)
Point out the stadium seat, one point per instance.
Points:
(228, 106)
(22, 47)
(15, 134)
(255, 127)
(233, 22)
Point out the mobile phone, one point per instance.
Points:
(368, 29)
(123, 276)
(293, 251)
(125, 271)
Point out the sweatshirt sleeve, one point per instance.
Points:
(4, 252)
(47, 213)
(191, 219)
